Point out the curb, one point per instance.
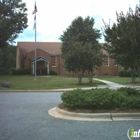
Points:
(83, 115)
(125, 116)
(99, 116)
(51, 90)
(30, 91)
(64, 90)
(55, 90)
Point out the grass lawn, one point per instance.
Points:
(27, 82)
(120, 80)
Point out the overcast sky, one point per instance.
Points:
(54, 16)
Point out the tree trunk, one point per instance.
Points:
(90, 77)
(79, 78)
(132, 76)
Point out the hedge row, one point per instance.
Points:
(44, 72)
(52, 72)
(123, 98)
(125, 73)
(24, 71)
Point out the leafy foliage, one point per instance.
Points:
(80, 47)
(130, 91)
(124, 37)
(102, 98)
(53, 72)
(20, 71)
(81, 58)
(125, 73)
(80, 30)
(7, 59)
(13, 19)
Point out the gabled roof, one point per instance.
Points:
(38, 58)
(53, 48)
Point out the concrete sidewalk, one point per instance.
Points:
(114, 85)
(110, 84)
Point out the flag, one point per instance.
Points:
(35, 10)
(34, 22)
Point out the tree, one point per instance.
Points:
(7, 59)
(13, 20)
(80, 47)
(124, 37)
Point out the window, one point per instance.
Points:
(53, 61)
(115, 62)
(106, 61)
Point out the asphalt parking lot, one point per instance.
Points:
(24, 116)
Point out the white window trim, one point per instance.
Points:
(108, 62)
(115, 62)
(55, 61)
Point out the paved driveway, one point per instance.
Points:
(24, 116)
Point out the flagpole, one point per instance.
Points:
(35, 44)
(35, 47)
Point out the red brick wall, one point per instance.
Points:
(27, 60)
(111, 70)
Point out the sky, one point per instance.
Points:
(54, 16)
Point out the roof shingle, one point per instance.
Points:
(53, 48)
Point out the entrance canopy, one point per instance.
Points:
(39, 58)
(42, 65)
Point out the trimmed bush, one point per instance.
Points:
(130, 91)
(121, 73)
(125, 73)
(102, 99)
(52, 72)
(20, 71)
(11, 70)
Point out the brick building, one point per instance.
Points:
(48, 57)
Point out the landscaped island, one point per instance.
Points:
(101, 100)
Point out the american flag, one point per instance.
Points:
(34, 23)
(35, 10)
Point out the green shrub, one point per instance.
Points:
(21, 71)
(125, 73)
(11, 70)
(130, 91)
(52, 72)
(121, 73)
(44, 72)
(101, 99)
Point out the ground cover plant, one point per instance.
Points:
(101, 99)
(28, 82)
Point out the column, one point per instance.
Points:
(33, 68)
(48, 70)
